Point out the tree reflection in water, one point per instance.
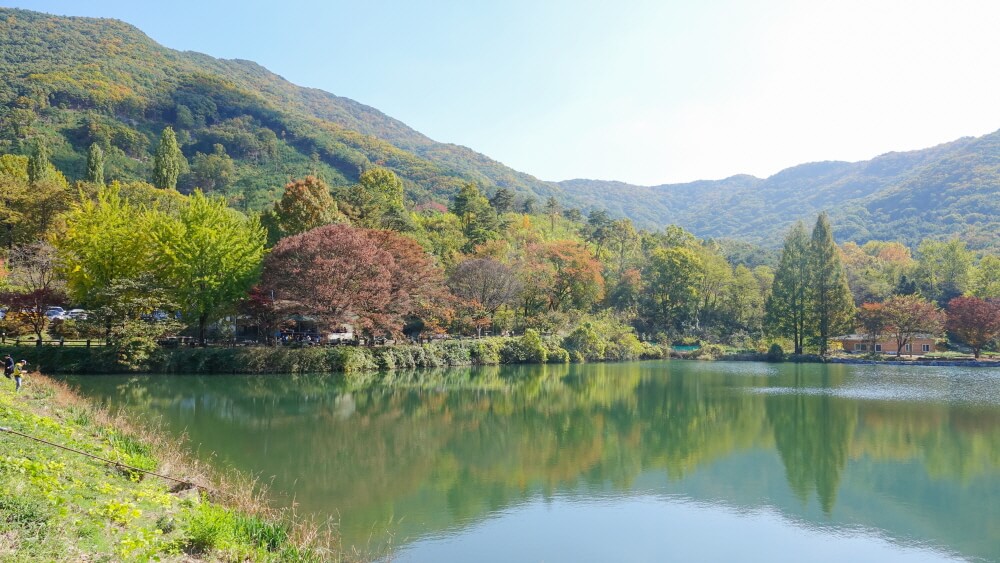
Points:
(433, 450)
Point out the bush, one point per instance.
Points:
(708, 352)
(586, 343)
(486, 352)
(529, 348)
(556, 354)
(602, 338)
(775, 353)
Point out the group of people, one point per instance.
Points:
(14, 370)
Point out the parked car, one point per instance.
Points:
(54, 313)
(77, 314)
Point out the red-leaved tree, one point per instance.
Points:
(339, 275)
(872, 320)
(974, 321)
(910, 315)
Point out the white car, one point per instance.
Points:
(54, 313)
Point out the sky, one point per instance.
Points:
(645, 92)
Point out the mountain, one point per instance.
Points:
(75, 81)
(951, 189)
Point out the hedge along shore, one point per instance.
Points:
(57, 505)
(358, 364)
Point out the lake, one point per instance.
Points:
(642, 461)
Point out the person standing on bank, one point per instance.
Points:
(20, 369)
(8, 366)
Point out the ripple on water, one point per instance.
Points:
(890, 383)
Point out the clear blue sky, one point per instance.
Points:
(644, 91)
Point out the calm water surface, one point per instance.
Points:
(650, 461)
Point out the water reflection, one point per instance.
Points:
(912, 454)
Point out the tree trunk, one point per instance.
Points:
(202, 321)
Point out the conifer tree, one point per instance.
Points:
(831, 306)
(95, 165)
(502, 201)
(787, 307)
(168, 162)
(39, 166)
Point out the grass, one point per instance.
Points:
(61, 506)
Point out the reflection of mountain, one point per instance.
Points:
(441, 456)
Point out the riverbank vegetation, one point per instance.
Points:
(147, 263)
(58, 505)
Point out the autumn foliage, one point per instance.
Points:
(338, 274)
(974, 321)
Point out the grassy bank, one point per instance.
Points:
(358, 363)
(57, 505)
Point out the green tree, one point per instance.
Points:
(788, 305)
(208, 255)
(985, 279)
(623, 241)
(13, 193)
(672, 277)
(942, 272)
(168, 161)
(378, 196)
(39, 167)
(479, 221)
(104, 244)
(831, 307)
(440, 234)
(502, 201)
(744, 302)
(95, 165)
(212, 171)
(305, 204)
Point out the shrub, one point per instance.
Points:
(529, 348)
(486, 352)
(586, 343)
(708, 352)
(775, 353)
(556, 354)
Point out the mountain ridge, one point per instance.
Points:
(76, 80)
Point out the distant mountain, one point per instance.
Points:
(75, 81)
(950, 189)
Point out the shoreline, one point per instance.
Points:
(63, 504)
(361, 365)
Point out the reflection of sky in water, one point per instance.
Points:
(655, 529)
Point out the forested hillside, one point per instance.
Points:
(950, 189)
(77, 81)
(245, 132)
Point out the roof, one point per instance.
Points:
(865, 338)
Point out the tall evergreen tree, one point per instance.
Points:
(39, 166)
(831, 307)
(502, 201)
(787, 307)
(95, 164)
(168, 162)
